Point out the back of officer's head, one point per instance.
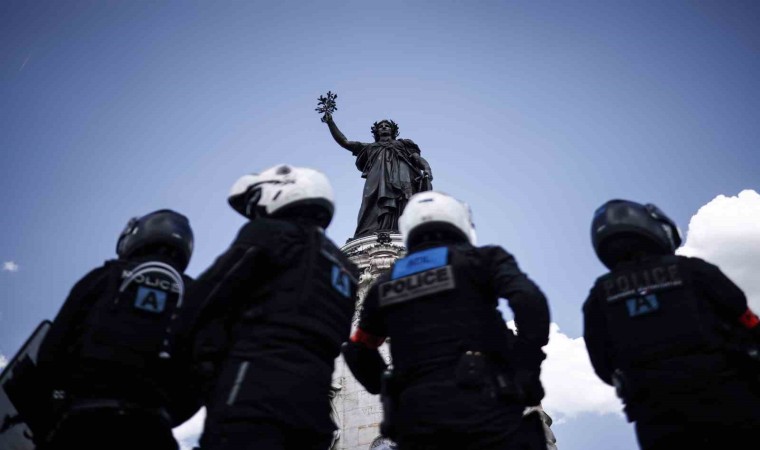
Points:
(163, 233)
(283, 191)
(435, 217)
(624, 231)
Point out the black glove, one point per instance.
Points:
(755, 333)
(528, 387)
(366, 364)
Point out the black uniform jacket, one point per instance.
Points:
(663, 322)
(119, 373)
(440, 302)
(277, 305)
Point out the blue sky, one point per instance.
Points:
(533, 112)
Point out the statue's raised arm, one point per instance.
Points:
(352, 146)
(327, 107)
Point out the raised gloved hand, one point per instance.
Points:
(366, 364)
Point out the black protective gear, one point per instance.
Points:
(659, 329)
(390, 390)
(527, 435)
(366, 364)
(93, 427)
(120, 337)
(528, 386)
(264, 435)
(450, 343)
(25, 409)
(277, 307)
(151, 233)
(621, 227)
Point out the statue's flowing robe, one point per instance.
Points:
(392, 178)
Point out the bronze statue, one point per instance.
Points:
(393, 168)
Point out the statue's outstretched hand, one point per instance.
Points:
(327, 117)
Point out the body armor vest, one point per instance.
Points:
(130, 323)
(653, 312)
(439, 303)
(309, 299)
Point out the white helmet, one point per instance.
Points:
(284, 189)
(433, 210)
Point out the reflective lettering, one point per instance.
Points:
(673, 271)
(419, 260)
(150, 300)
(647, 279)
(417, 285)
(341, 281)
(609, 287)
(429, 277)
(659, 275)
(638, 306)
(156, 282)
(641, 282)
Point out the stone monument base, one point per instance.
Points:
(357, 412)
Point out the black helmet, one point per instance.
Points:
(160, 229)
(621, 228)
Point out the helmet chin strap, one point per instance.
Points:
(252, 203)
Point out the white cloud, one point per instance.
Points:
(10, 266)
(3, 361)
(726, 232)
(188, 433)
(570, 383)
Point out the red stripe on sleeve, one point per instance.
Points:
(369, 340)
(749, 319)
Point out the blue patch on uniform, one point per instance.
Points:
(639, 306)
(420, 262)
(341, 281)
(151, 300)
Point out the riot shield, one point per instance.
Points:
(20, 394)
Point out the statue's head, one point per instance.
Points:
(384, 128)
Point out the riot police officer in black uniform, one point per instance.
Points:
(460, 377)
(663, 330)
(277, 306)
(114, 357)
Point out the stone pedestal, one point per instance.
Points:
(357, 412)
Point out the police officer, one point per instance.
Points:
(659, 327)
(113, 356)
(277, 306)
(460, 378)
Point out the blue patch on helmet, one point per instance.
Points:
(420, 261)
